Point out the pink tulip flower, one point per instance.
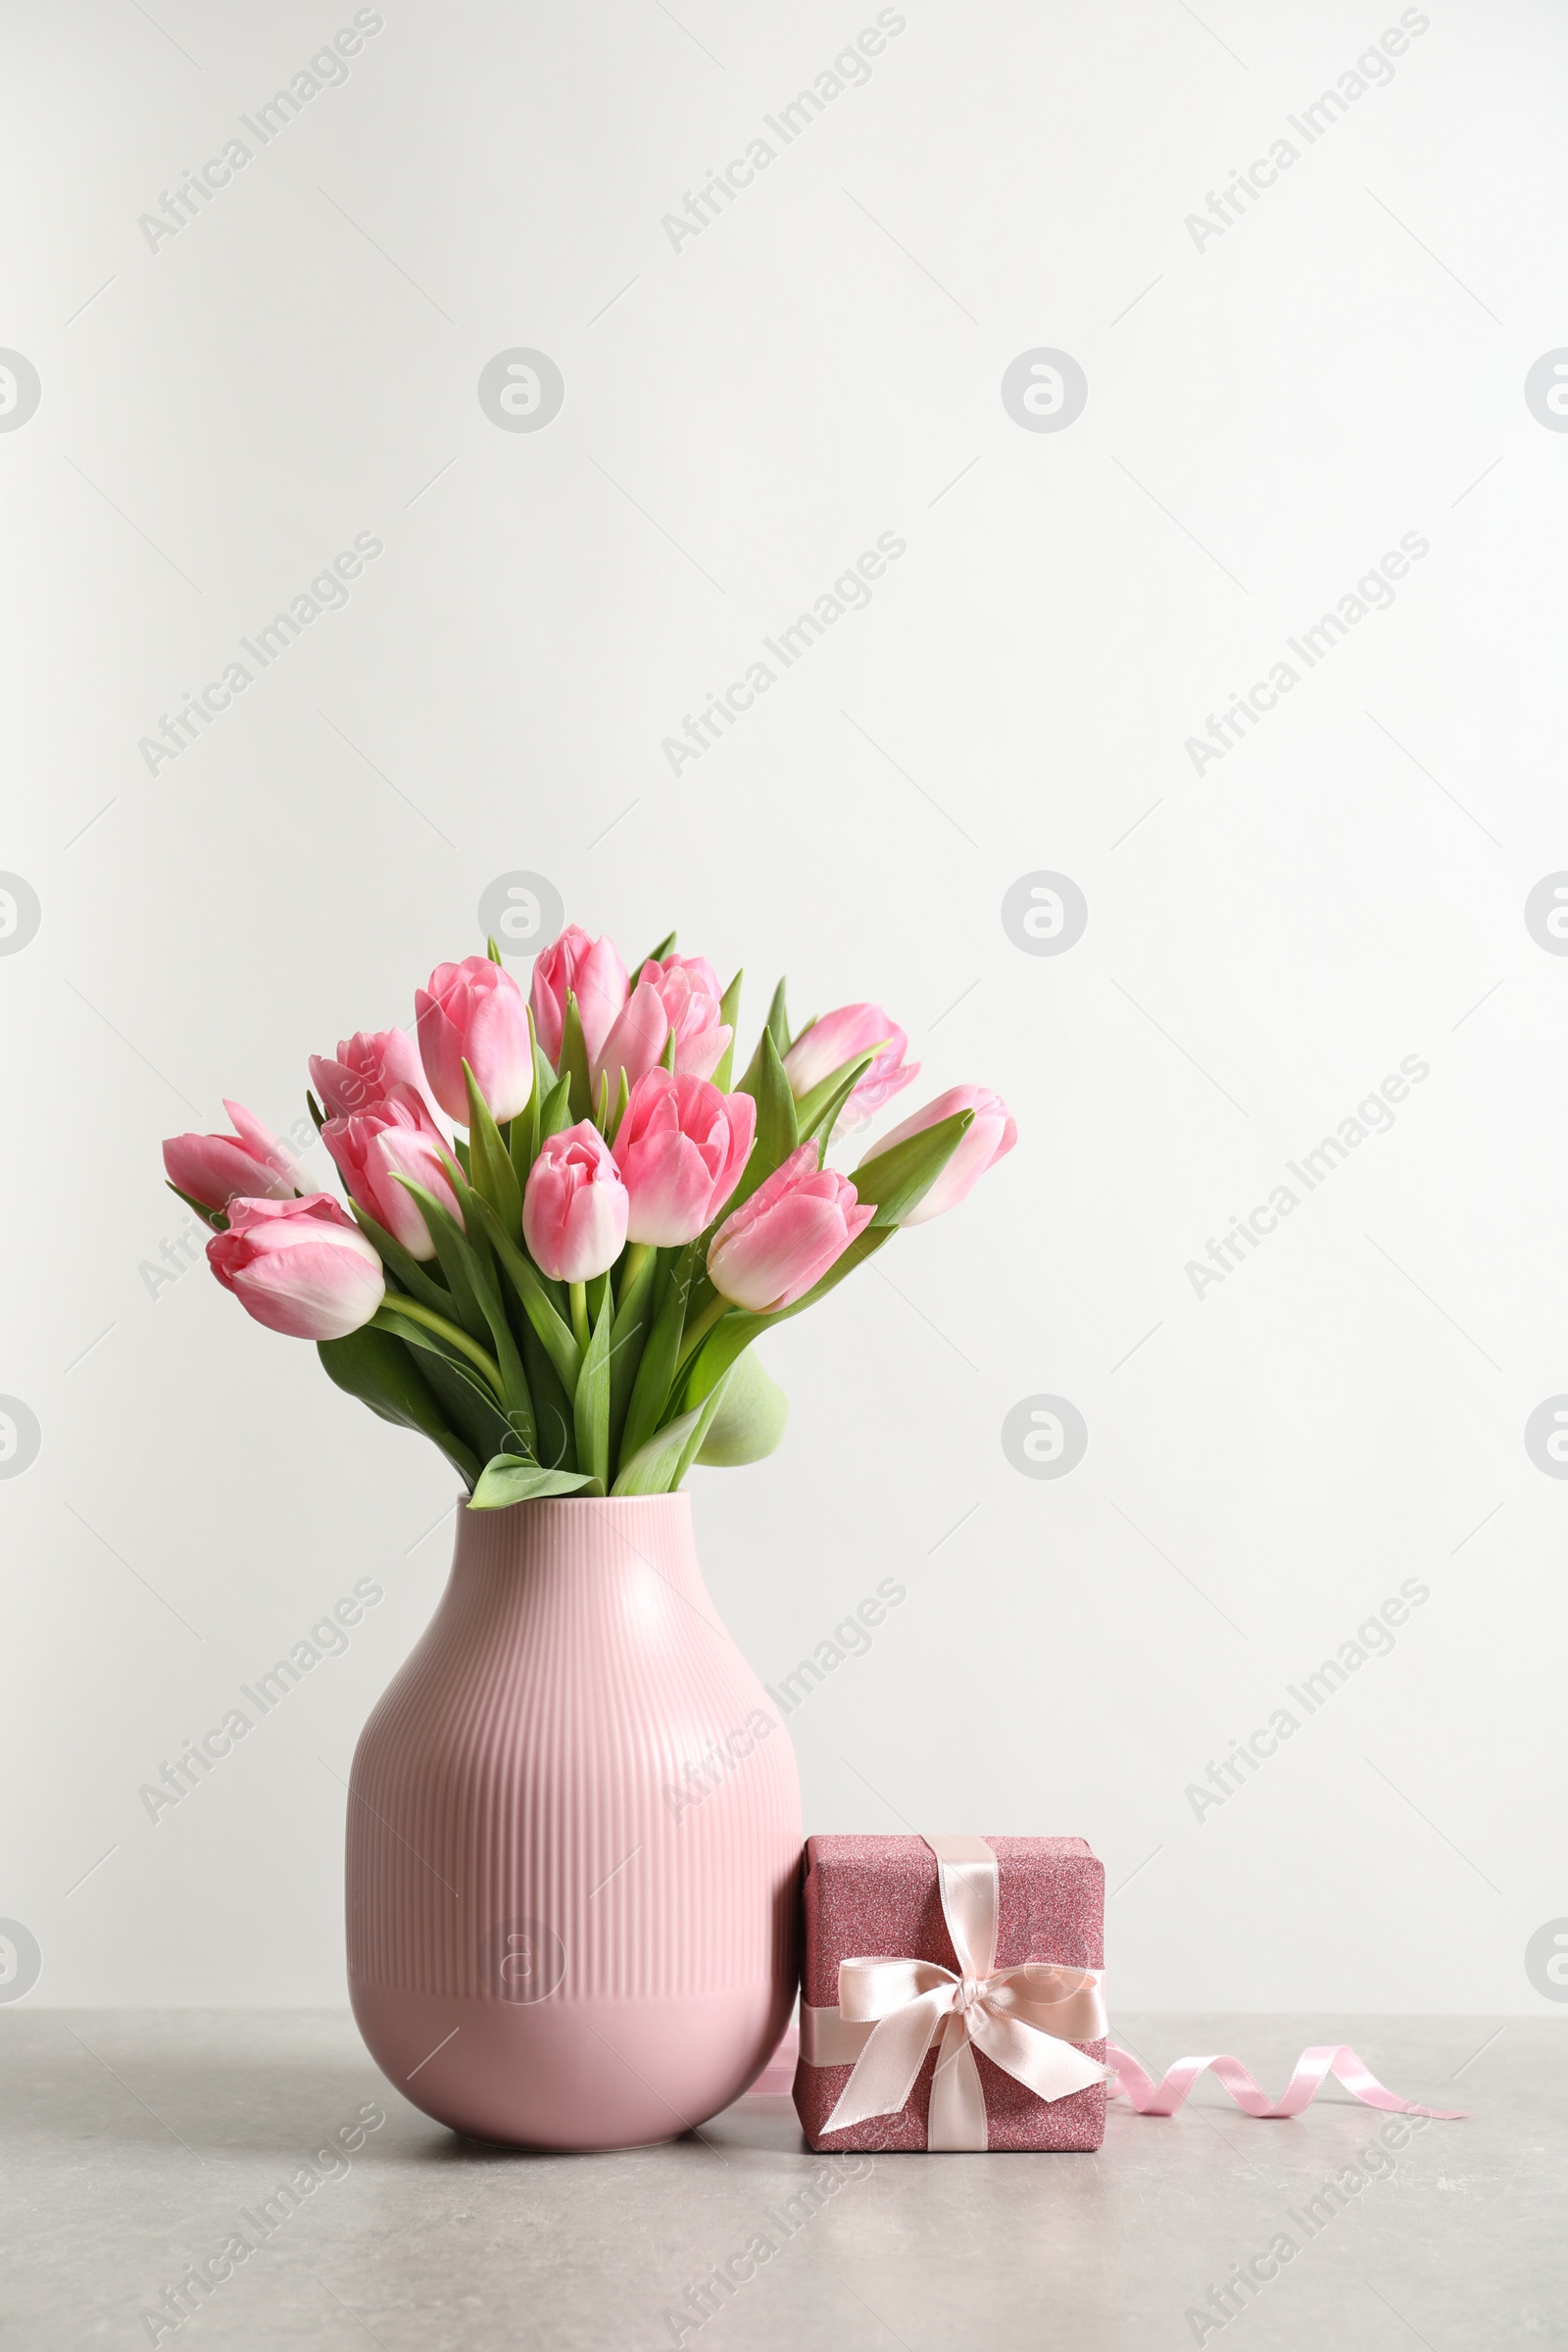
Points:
(473, 1012)
(700, 974)
(680, 1149)
(843, 1036)
(593, 971)
(298, 1266)
(683, 994)
(574, 1206)
(368, 1067)
(992, 1133)
(213, 1168)
(372, 1148)
(787, 1235)
(690, 991)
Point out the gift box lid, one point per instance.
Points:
(877, 1897)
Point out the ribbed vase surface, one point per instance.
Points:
(573, 1840)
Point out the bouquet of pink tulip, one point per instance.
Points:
(563, 1300)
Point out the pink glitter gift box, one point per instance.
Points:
(880, 1898)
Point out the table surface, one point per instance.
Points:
(136, 2143)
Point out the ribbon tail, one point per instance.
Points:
(958, 2121)
(884, 2073)
(1050, 2068)
(1312, 2070)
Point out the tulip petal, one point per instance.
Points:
(637, 1039)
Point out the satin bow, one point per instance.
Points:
(1026, 2017)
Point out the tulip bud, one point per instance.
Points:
(574, 1206)
(213, 1169)
(373, 1148)
(992, 1133)
(473, 1012)
(787, 1235)
(592, 969)
(298, 1266)
(680, 1147)
(844, 1036)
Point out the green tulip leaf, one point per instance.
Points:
(555, 1112)
(574, 1062)
(777, 1130)
(464, 1256)
(552, 1330)
(454, 1256)
(467, 1402)
(525, 1137)
(898, 1177)
(622, 1097)
(819, 1111)
(655, 1374)
(214, 1217)
(749, 1422)
(378, 1370)
(729, 1011)
(477, 1214)
(628, 1335)
(504, 1481)
(658, 1466)
(552, 1404)
(397, 1260)
(776, 1027)
(493, 1172)
(779, 1021)
(444, 1357)
(590, 1405)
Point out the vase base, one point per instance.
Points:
(563, 2074)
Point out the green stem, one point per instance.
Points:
(580, 1315)
(414, 1311)
(698, 1329)
(637, 1255)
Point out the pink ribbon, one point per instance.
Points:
(1026, 2017)
(1312, 2070)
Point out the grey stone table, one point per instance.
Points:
(136, 2144)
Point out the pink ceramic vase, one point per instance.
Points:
(573, 1840)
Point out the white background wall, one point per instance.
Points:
(1269, 412)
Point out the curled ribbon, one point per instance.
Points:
(1312, 2070)
(1026, 2017)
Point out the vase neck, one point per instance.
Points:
(566, 1552)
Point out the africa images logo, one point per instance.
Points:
(20, 1961)
(522, 391)
(20, 390)
(1045, 1437)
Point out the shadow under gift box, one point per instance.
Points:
(879, 1898)
(555, 1937)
